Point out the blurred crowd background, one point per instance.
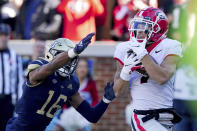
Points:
(41, 20)
(73, 19)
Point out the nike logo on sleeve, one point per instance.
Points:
(157, 51)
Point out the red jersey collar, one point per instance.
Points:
(152, 46)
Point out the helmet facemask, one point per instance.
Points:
(69, 68)
(141, 29)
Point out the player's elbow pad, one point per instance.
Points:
(92, 114)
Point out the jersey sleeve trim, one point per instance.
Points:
(43, 60)
(32, 85)
(115, 58)
(36, 64)
(32, 67)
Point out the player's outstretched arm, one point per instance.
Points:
(60, 60)
(120, 85)
(93, 114)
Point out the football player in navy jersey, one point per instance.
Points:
(50, 84)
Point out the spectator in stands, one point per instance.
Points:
(101, 21)
(185, 95)
(178, 26)
(11, 77)
(79, 17)
(89, 92)
(9, 12)
(24, 19)
(192, 24)
(2, 2)
(38, 50)
(141, 4)
(121, 15)
(166, 5)
(87, 84)
(39, 19)
(186, 78)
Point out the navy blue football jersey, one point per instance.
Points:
(40, 102)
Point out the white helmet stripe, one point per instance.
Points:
(140, 15)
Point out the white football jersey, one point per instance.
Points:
(151, 95)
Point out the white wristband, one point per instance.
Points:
(125, 76)
(106, 100)
(71, 53)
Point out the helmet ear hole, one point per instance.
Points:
(49, 56)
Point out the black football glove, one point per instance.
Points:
(109, 94)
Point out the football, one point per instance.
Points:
(141, 70)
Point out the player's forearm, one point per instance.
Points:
(119, 84)
(92, 114)
(120, 87)
(46, 70)
(58, 62)
(154, 71)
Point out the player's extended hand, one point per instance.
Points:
(139, 48)
(83, 43)
(109, 94)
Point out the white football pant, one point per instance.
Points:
(163, 124)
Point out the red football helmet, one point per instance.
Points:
(152, 21)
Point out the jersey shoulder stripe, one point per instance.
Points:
(36, 64)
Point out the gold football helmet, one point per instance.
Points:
(58, 46)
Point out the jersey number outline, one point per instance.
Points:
(55, 105)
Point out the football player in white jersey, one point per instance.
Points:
(148, 61)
